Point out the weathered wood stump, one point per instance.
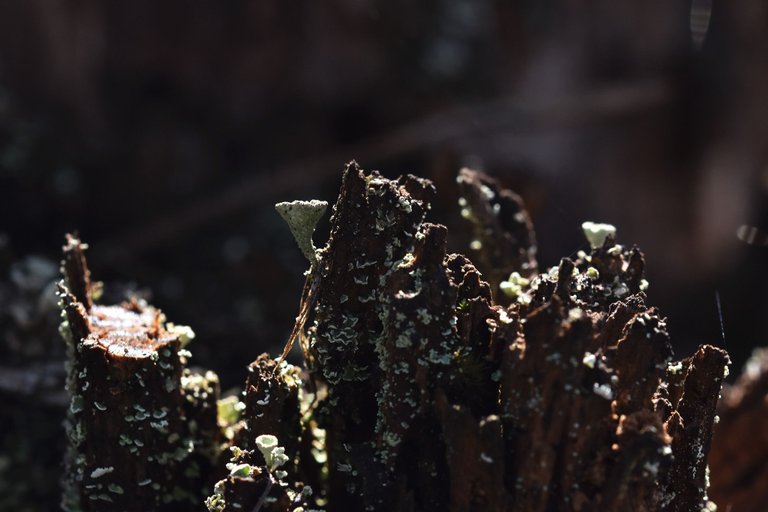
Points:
(434, 397)
(142, 429)
(426, 387)
(504, 240)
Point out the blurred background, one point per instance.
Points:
(163, 132)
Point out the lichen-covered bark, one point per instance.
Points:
(272, 407)
(438, 398)
(140, 428)
(590, 414)
(374, 227)
(272, 404)
(423, 390)
(691, 429)
(504, 238)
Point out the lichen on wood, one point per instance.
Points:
(142, 428)
(262, 476)
(504, 240)
(424, 388)
(435, 396)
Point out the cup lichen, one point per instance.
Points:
(302, 218)
(596, 232)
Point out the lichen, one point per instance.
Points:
(515, 287)
(183, 332)
(596, 233)
(302, 218)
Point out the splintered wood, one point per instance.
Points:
(429, 383)
(438, 398)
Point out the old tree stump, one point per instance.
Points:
(425, 387)
(142, 429)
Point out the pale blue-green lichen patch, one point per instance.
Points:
(302, 218)
(99, 472)
(596, 233)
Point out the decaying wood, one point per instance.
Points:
(739, 456)
(272, 407)
(503, 230)
(142, 429)
(423, 389)
(272, 404)
(436, 398)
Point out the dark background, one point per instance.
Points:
(165, 131)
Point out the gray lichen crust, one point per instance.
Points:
(302, 218)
